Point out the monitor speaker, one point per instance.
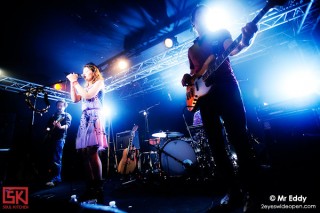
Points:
(123, 138)
(292, 140)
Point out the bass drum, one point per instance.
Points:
(175, 157)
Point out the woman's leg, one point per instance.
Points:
(95, 163)
(96, 173)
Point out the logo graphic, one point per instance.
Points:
(14, 197)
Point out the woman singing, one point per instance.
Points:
(91, 136)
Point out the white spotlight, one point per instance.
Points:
(168, 42)
(122, 64)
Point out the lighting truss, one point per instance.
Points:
(19, 86)
(294, 11)
(151, 66)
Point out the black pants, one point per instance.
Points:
(224, 103)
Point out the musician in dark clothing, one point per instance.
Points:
(222, 107)
(56, 134)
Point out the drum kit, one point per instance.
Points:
(177, 156)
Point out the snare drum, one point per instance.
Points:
(175, 156)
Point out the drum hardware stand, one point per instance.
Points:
(205, 160)
(149, 166)
(184, 119)
(146, 113)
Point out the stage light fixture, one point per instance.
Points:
(170, 42)
(122, 64)
(58, 86)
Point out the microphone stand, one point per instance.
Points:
(146, 113)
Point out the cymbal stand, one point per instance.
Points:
(145, 114)
(184, 119)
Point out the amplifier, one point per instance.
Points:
(123, 138)
(288, 108)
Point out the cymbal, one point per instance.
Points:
(159, 135)
(174, 134)
(167, 134)
(196, 126)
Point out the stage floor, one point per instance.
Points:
(152, 193)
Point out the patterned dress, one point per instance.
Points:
(91, 131)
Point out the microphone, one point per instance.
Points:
(79, 75)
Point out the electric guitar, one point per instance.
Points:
(50, 130)
(128, 161)
(198, 88)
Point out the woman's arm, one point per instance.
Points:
(93, 91)
(73, 93)
(73, 78)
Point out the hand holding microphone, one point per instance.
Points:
(73, 77)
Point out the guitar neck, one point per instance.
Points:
(134, 129)
(130, 141)
(221, 58)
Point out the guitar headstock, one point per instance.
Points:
(135, 127)
(270, 4)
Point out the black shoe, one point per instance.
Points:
(50, 184)
(99, 196)
(94, 191)
(216, 208)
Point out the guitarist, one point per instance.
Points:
(224, 103)
(56, 133)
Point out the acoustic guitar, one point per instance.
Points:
(128, 161)
(198, 87)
